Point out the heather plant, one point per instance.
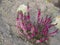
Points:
(35, 32)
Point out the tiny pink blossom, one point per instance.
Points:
(28, 37)
(37, 41)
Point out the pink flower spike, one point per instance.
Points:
(45, 32)
(39, 13)
(51, 25)
(32, 29)
(54, 32)
(22, 26)
(46, 18)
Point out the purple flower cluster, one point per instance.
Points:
(37, 32)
